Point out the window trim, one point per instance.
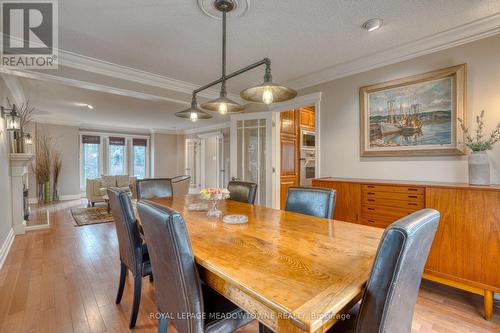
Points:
(104, 150)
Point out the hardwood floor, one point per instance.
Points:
(64, 279)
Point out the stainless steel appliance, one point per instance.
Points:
(307, 166)
(307, 139)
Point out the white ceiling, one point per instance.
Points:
(66, 105)
(174, 38)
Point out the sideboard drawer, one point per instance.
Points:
(376, 221)
(393, 189)
(372, 201)
(393, 196)
(389, 212)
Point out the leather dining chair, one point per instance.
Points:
(319, 202)
(180, 185)
(242, 191)
(154, 188)
(390, 295)
(181, 297)
(134, 255)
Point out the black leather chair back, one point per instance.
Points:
(242, 191)
(154, 188)
(127, 230)
(313, 201)
(391, 293)
(177, 283)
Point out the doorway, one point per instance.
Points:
(212, 160)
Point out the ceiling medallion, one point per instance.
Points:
(267, 92)
(208, 8)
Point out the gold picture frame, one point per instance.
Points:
(414, 116)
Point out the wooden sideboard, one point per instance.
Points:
(466, 250)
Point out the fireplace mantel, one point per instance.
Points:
(18, 170)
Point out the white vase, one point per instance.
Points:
(479, 168)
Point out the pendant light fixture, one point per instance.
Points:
(267, 92)
(223, 105)
(193, 113)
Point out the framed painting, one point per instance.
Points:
(414, 116)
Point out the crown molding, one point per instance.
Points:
(88, 64)
(207, 128)
(91, 86)
(165, 131)
(465, 33)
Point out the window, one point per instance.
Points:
(91, 156)
(139, 157)
(116, 156)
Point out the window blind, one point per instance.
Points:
(139, 142)
(116, 141)
(92, 139)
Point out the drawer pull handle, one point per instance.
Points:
(369, 208)
(371, 199)
(412, 196)
(412, 204)
(371, 221)
(412, 189)
(371, 186)
(371, 193)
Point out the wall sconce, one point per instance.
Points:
(13, 119)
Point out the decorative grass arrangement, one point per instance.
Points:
(56, 170)
(479, 142)
(42, 166)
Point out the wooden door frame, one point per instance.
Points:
(298, 102)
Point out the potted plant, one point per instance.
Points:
(479, 165)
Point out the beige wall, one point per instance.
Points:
(66, 139)
(5, 189)
(339, 121)
(164, 155)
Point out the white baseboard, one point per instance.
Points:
(4, 250)
(70, 197)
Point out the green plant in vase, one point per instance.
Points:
(479, 144)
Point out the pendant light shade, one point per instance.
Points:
(223, 105)
(193, 113)
(268, 93)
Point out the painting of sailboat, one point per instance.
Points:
(414, 116)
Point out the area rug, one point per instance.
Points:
(91, 215)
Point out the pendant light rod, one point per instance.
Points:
(265, 61)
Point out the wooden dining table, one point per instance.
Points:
(293, 272)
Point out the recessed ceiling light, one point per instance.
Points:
(90, 107)
(372, 24)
